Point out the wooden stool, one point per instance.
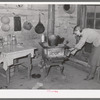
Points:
(15, 64)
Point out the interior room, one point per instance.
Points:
(34, 46)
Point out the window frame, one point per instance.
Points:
(95, 19)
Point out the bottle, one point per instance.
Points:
(9, 39)
(42, 38)
(14, 41)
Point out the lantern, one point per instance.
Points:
(5, 20)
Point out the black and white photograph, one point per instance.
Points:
(49, 46)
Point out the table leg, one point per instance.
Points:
(29, 66)
(47, 70)
(8, 75)
(15, 65)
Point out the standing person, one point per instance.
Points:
(90, 36)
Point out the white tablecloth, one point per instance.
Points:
(8, 57)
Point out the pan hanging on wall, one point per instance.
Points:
(5, 20)
(39, 28)
(69, 8)
(5, 27)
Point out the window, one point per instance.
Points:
(93, 16)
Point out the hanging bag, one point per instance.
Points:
(27, 25)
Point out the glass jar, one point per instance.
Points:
(9, 39)
(14, 41)
(1, 41)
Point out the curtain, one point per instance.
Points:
(81, 15)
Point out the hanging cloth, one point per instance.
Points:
(17, 23)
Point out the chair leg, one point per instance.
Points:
(29, 66)
(98, 74)
(8, 75)
(47, 70)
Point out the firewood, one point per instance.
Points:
(79, 62)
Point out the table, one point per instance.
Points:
(11, 52)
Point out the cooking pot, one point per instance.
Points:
(27, 25)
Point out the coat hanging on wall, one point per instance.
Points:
(39, 28)
(17, 23)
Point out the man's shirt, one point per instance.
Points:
(89, 36)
